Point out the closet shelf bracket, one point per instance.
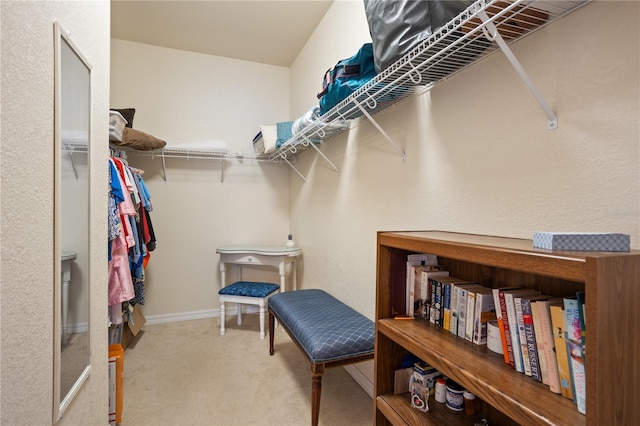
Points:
(492, 34)
(309, 142)
(164, 168)
(380, 129)
(286, 160)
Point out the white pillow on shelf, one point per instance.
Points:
(269, 137)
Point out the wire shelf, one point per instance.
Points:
(464, 40)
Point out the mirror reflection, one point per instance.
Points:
(73, 104)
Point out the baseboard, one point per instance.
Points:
(360, 378)
(196, 315)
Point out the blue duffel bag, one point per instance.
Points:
(347, 76)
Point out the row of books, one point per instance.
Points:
(542, 336)
(460, 306)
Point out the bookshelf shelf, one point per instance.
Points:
(609, 280)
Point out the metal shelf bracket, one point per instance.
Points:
(492, 34)
(381, 130)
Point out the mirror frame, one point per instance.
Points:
(59, 406)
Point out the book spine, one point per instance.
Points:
(438, 302)
(513, 334)
(548, 347)
(424, 295)
(564, 374)
(496, 302)
(462, 312)
(537, 329)
(532, 349)
(574, 342)
(432, 314)
(522, 337)
(471, 308)
(453, 321)
(446, 305)
(507, 333)
(580, 298)
(485, 309)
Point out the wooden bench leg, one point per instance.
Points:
(316, 391)
(272, 321)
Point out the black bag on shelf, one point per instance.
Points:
(396, 26)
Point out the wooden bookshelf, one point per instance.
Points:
(611, 282)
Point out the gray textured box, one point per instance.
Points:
(581, 241)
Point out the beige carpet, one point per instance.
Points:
(185, 373)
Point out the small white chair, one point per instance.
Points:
(246, 292)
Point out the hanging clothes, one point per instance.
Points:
(131, 236)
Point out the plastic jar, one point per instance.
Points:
(453, 396)
(441, 390)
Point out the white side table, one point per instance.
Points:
(278, 256)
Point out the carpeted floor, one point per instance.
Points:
(185, 373)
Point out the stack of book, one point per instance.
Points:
(542, 336)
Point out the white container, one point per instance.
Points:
(116, 126)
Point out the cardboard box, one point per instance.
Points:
(401, 380)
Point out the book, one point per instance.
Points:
(436, 302)
(416, 301)
(529, 335)
(455, 292)
(414, 260)
(448, 304)
(557, 325)
(522, 333)
(472, 293)
(546, 343)
(424, 304)
(582, 241)
(462, 309)
(580, 298)
(496, 302)
(484, 312)
(511, 325)
(573, 336)
(471, 309)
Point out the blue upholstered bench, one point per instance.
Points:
(327, 331)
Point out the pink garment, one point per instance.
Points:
(120, 281)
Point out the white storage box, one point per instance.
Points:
(116, 126)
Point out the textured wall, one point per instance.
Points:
(479, 156)
(193, 211)
(27, 208)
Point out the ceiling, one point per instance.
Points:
(269, 32)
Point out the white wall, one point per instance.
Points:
(179, 97)
(479, 156)
(27, 171)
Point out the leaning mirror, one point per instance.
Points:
(71, 242)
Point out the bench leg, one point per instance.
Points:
(316, 390)
(272, 321)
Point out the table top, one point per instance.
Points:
(260, 250)
(68, 255)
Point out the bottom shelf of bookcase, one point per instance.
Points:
(520, 398)
(398, 411)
